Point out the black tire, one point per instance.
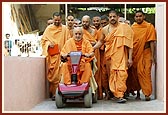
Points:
(58, 100)
(88, 99)
(94, 96)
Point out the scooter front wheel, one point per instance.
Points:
(88, 98)
(58, 99)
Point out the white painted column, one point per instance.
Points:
(160, 24)
(125, 13)
(66, 12)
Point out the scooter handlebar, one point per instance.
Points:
(64, 57)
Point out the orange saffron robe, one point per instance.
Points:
(93, 38)
(102, 77)
(144, 32)
(56, 35)
(69, 33)
(85, 71)
(116, 53)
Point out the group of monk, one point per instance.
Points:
(124, 54)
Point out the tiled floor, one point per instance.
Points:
(102, 106)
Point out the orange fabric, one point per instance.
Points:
(88, 36)
(53, 50)
(144, 32)
(85, 71)
(55, 35)
(117, 56)
(79, 45)
(132, 81)
(117, 82)
(102, 77)
(69, 33)
(94, 38)
(99, 33)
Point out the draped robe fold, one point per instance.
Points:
(116, 54)
(85, 71)
(142, 64)
(55, 35)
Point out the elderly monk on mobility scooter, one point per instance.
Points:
(70, 87)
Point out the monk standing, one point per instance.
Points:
(53, 38)
(90, 33)
(49, 21)
(70, 26)
(102, 78)
(143, 53)
(77, 43)
(118, 38)
(104, 20)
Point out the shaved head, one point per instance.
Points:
(86, 21)
(77, 29)
(86, 17)
(96, 20)
(77, 33)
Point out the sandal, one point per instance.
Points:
(147, 98)
(121, 100)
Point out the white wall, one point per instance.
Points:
(161, 51)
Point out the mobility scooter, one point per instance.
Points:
(74, 90)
